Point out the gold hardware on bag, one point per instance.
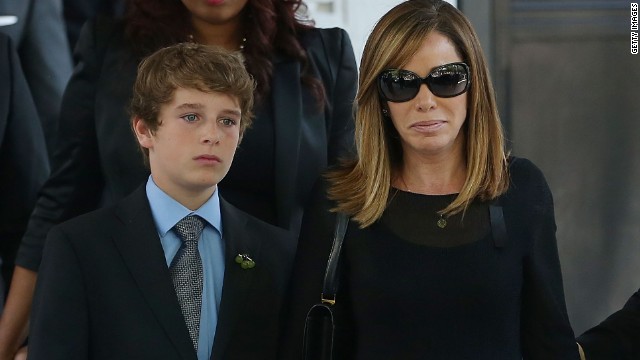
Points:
(327, 301)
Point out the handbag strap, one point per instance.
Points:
(331, 275)
(498, 226)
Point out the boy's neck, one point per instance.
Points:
(192, 200)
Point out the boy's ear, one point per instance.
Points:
(143, 133)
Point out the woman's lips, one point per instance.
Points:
(428, 126)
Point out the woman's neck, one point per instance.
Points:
(437, 175)
(228, 35)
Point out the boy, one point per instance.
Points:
(172, 271)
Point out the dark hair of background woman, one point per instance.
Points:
(271, 27)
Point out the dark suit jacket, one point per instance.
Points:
(77, 12)
(39, 37)
(104, 289)
(617, 337)
(23, 156)
(98, 161)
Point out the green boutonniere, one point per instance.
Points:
(245, 261)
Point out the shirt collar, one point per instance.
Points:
(167, 211)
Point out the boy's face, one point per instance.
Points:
(193, 147)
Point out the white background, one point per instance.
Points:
(357, 17)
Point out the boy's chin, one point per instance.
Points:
(209, 179)
(207, 185)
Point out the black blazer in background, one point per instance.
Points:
(24, 165)
(98, 161)
(39, 38)
(617, 337)
(104, 289)
(77, 12)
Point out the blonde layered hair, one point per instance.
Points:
(361, 187)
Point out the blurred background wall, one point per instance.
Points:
(569, 94)
(358, 17)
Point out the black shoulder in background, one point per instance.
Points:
(325, 45)
(99, 31)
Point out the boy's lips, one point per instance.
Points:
(207, 159)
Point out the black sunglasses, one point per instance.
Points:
(445, 81)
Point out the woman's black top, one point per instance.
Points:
(418, 291)
(412, 290)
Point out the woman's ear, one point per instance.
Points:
(143, 132)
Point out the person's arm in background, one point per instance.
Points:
(24, 166)
(617, 337)
(76, 182)
(15, 318)
(46, 61)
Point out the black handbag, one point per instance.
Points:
(320, 328)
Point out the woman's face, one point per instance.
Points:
(216, 12)
(430, 125)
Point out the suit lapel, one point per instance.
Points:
(288, 116)
(142, 252)
(237, 281)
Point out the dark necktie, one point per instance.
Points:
(186, 273)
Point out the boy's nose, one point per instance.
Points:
(212, 137)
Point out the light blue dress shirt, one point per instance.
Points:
(166, 213)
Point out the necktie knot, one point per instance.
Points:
(189, 228)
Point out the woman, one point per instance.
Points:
(306, 83)
(451, 250)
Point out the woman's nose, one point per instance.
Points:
(425, 99)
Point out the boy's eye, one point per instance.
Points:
(190, 117)
(228, 122)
